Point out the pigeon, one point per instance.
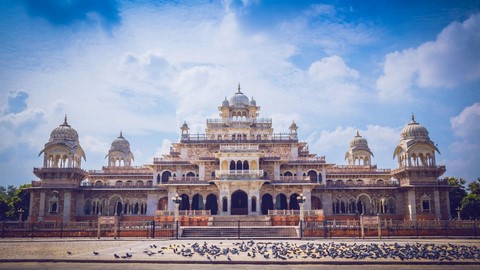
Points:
(95, 253)
(69, 252)
(116, 256)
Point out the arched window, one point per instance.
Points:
(232, 165)
(166, 176)
(239, 165)
(254, 204)
(245, 165)
(224, 204)
(87, 209)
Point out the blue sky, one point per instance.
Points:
(144, 67)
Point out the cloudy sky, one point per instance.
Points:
(144, 67)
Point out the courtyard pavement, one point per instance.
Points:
(374, 252)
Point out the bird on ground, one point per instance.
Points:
(116, 256)
(95, 253)
(69, 252)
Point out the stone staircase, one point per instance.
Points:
(234, 227)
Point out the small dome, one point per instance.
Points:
(414, 131)
(253, 102)
(64, 133)
(293, 126)
(225, 102)
(120, 144)
(239, 99)
(359, 142)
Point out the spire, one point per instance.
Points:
(65, 121)
(413, 119)
(121, 136)
(358, 133)
(239, 89)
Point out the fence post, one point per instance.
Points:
(475, 228)
(301, 229)
(416, 227)
(238, 229)
(324, 228)
(153, 228)
(3, 229)
(446, 228)
(31, 229)
(176, 229)
(61, 229)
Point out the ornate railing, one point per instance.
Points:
(239, 173)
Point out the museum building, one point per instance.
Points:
(239, 166)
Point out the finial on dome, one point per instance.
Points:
(65, 121)
(239, 89)
(121, 136)
(358, 133)
(413, 119)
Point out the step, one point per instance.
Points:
(246, 232)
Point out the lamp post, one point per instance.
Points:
(301, 200)
(458, 213)
(176, 200)
(20, 214)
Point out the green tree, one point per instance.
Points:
(474, 187)
(457, 193)
(471, 206)
(19, 200)
(12, 199)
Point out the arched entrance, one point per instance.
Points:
(267, 203)
(294, 202)
(211, 204)
(239, 203)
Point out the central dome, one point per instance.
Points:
(120, 144)
(64, 132)
(414, 131)
(239, 99)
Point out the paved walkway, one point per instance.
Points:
(236, 252)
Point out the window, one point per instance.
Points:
(425, 203)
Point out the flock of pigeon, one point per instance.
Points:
(311, 250)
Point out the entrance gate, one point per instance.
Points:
(239, 203)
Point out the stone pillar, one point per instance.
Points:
(80, 202)
(327, 204)
(436, 200)
(67, 201)
(307, 205)
(41, 209)
(201, 171)
(32, 214)
(447, 203)
(411, 204)
(152, 201)
(172, 191)
(276, 171)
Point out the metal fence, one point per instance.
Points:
(245, 229)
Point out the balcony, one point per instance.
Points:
(238, 174)
(292, 179)
(239, 147)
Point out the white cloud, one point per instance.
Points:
(331, 68)
(451, 60)
(465, 159)
(162, 150)
(467, 123)
(92, 144)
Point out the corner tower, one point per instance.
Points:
(425, 197)
(60, 175)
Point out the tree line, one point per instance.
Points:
(464, 199)
(14, 202)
